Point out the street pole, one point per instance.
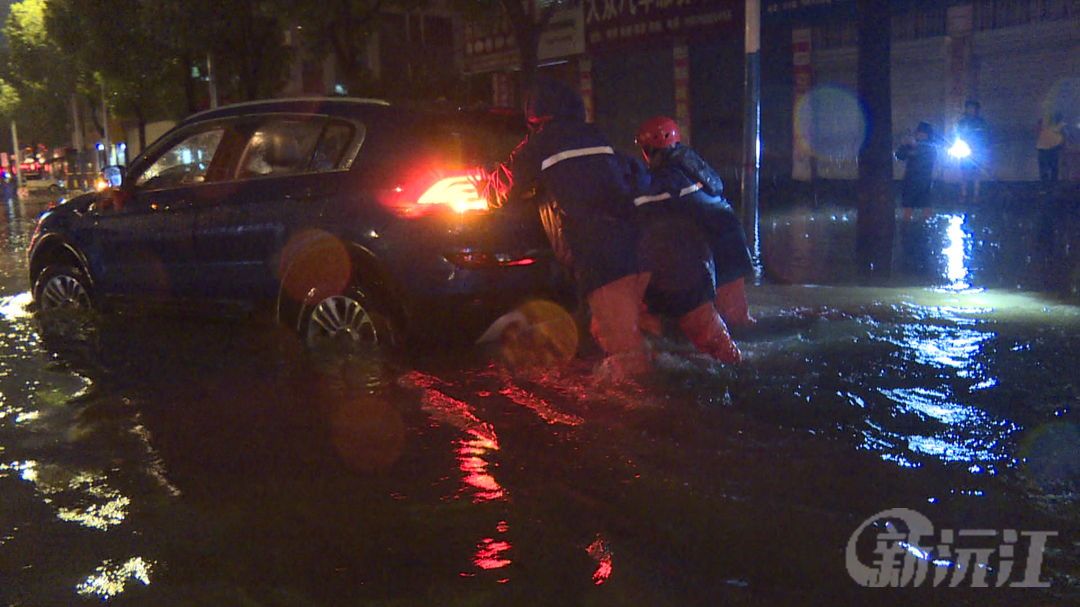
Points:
(77, 174)
(752, 134)
(212, 82)
(875, 228)
(105, 121)
(18, 157)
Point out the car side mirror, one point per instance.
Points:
(113, 176)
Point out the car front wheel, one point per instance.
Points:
(62, 287)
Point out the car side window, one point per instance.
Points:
(330, 152)
(279, 147)
(185, 163)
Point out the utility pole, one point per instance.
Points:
(105, 127)
(18, 156)
(211, 79)
(77, 172)
(752, 134)
(876, 225)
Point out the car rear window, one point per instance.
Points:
(280, 146)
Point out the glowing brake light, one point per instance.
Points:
(437, 193)
(458, 192)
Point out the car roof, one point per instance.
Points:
(333, 106)
(346, 107)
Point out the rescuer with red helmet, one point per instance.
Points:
(588, 211)
(693, 242)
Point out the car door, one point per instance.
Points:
(144, 242)
(286, 170)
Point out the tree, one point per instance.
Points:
(38, 73)
(342, 28)
(529, 20)
(246, 39)
(143, 51)
(112, 42)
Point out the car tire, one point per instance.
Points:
(63, 286)
(346, 321)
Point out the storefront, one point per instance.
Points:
(683, 59)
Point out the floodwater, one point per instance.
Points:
(154, 460)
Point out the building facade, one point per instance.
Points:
(1019, 58)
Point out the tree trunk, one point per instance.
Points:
(876, 225)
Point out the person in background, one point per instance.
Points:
(693, 242)
(971, 128)
(919, 154)
(588, 211)
(1049, 145)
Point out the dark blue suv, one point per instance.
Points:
(353, 220)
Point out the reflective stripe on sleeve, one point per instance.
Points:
(640, 200)
(690, 189)
(556, 158)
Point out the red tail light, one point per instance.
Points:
(456, 192)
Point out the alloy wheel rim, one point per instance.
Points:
(64, 292)
(341, 320)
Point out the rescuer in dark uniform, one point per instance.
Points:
(588, 212)
(693, 242)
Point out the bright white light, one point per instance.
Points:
(960, 149)
(955, 269)
(16, 306)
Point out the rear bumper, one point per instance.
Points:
(466, 305)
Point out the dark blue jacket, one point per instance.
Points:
(919, 156)
(683, 191)
(586, 198)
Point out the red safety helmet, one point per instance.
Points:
(658, 132)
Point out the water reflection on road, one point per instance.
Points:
(154, 460)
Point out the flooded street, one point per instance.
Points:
(148, 459)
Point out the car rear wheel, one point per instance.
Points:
(347, 321)
(63, 287)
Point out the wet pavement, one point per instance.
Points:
(147, 459)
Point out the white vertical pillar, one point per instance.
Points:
(18, 156)
(752, 133)
(105, 126)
